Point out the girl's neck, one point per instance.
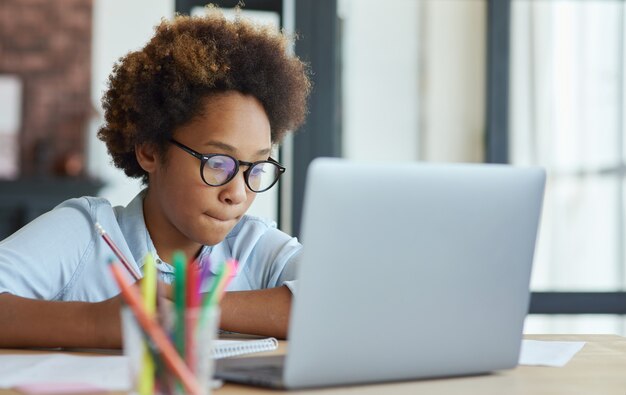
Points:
(165, 237)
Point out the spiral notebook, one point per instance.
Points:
(231, 348)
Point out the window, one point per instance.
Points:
(566, 106)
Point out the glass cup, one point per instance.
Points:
(197, 356)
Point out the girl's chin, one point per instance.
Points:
(214, 236)
(213, 231)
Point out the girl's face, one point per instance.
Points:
(181, 211)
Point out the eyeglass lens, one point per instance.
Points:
(220, 169)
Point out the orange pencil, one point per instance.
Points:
(171, 358)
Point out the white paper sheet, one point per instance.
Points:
(105, 372)
(548, 353)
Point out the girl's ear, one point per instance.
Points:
(147, 157)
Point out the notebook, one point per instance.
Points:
(229, 348)
(409, 271)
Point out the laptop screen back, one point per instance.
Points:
(412, 270)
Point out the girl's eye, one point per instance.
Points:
(257, 171)
(217, 163)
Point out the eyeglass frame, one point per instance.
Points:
(204, 158)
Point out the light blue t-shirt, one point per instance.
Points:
(60, 255)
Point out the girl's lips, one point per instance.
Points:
(220, 219)
(216, 218)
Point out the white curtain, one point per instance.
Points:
(566, 109)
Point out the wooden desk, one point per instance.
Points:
(599, 368)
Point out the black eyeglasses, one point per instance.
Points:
(218, 169)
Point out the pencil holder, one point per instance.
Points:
(148, 375)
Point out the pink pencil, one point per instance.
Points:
(117, 251)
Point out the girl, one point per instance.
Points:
(194, 114)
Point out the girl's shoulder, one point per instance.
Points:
(90, 203)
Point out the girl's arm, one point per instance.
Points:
(261, 312)
(38, 323)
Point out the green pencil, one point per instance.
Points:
(180, 268)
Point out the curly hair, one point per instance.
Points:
(161, 87)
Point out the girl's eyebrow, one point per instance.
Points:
(231, 149)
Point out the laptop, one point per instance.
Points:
(409, 271)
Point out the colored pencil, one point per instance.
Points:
(205, 274)
(191, 314)
(148, 293)
(118, 253)
(180, 268)
(225, 274)
(223, 279)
